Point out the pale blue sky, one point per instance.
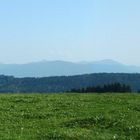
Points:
(73, 30)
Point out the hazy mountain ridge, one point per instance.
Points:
(60, 68)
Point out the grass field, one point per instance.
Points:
(70, 116)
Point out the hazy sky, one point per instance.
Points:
(74, 30)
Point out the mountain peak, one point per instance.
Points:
(107, 62)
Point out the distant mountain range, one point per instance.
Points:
(61, 68)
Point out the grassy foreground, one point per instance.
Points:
(70, 117)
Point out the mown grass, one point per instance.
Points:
(70, 116)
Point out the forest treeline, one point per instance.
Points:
(10, 84)
(110, 88)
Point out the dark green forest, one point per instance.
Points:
(112, 88)
(10, 84)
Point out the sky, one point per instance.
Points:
(70, 30)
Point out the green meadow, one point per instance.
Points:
(70, 116)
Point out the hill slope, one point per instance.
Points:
(66, 83)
